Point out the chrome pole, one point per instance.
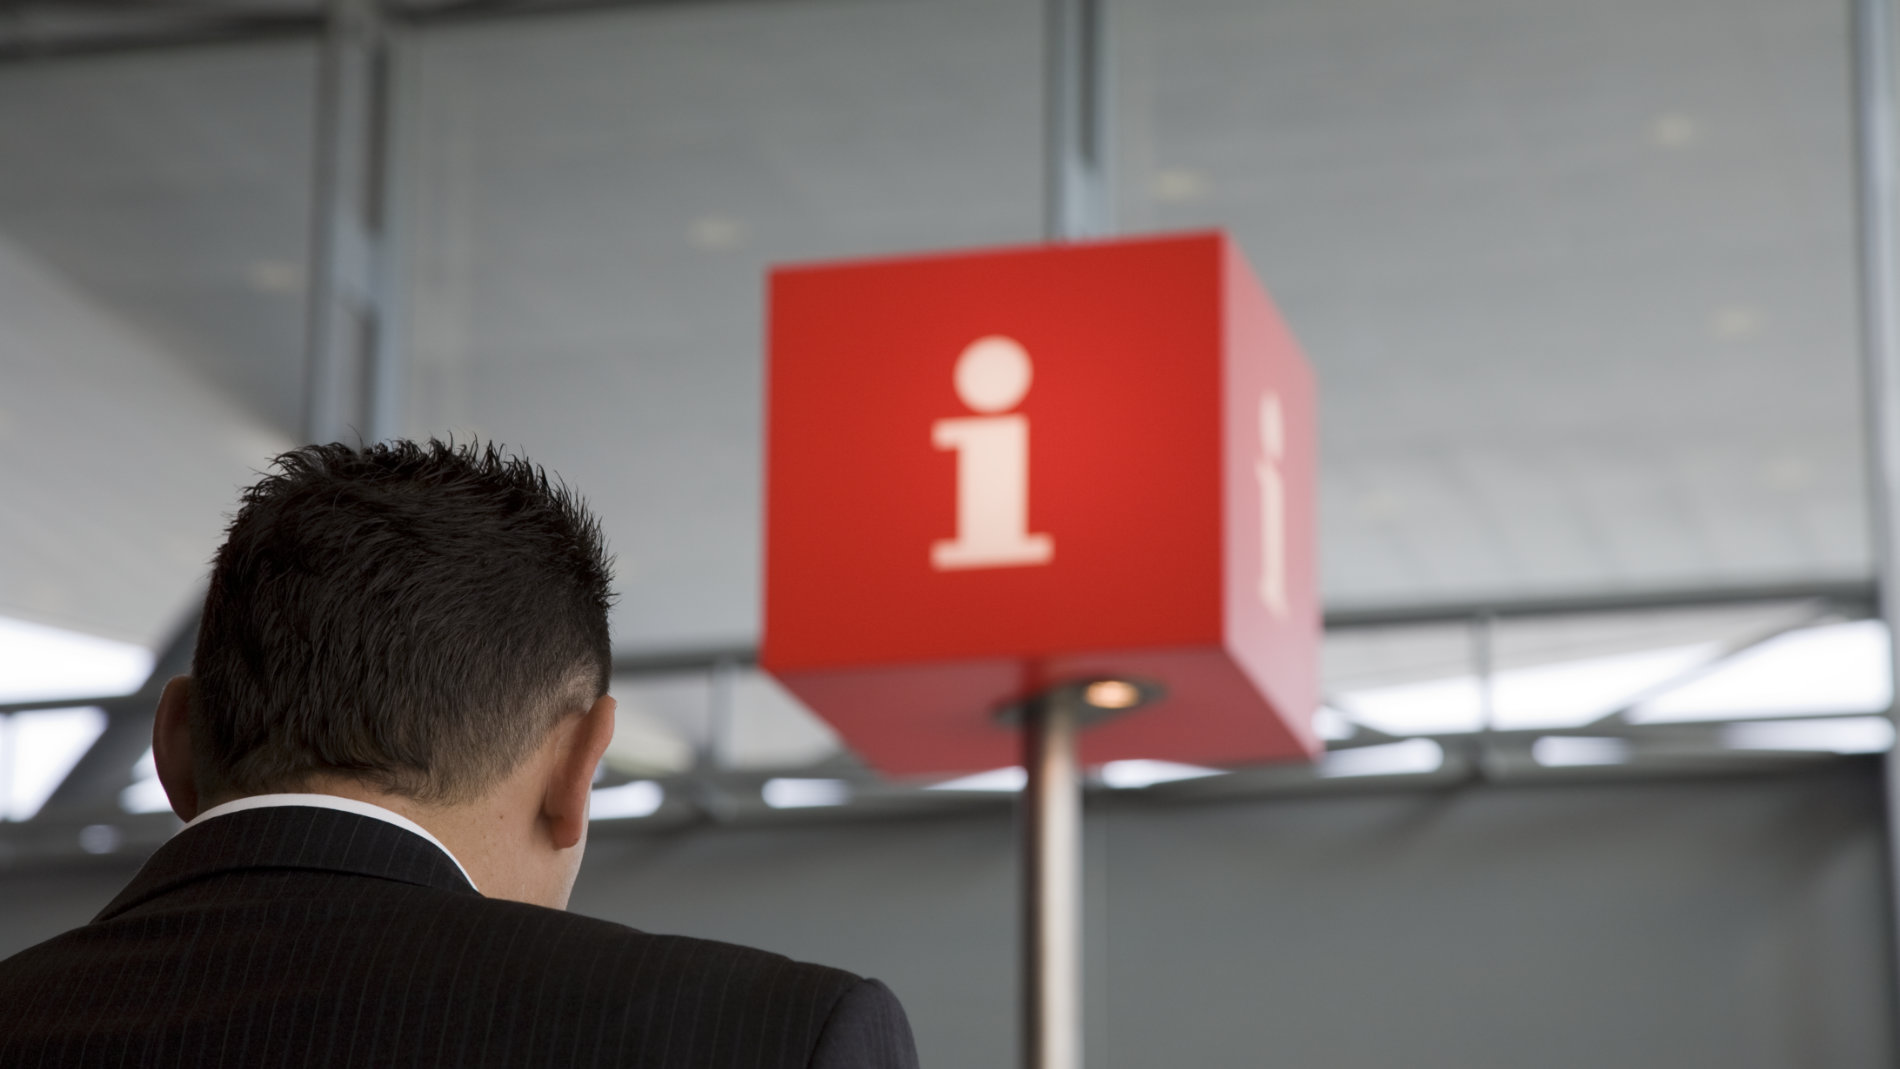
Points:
(1052, 886)
(1879, 264)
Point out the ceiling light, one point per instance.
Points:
(40, 662)
(100, 838)
(1672, 130)
(1559, 695)
(641, 798)
(1409, 758)
(1138, 773)
(1178, 185)
(39, 749)
(805, 793)
(145, 796)
(997, 779)
(1833, 734)
(1331, 725)
(1735, 322)
(715, 232)
(1834, 668)
(1112, 694)
(644, 744)
(1575, 751)
(282, 277)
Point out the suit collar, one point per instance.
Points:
(330, 801)
(291, 837)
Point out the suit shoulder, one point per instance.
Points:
(679, 992)
(591, 942)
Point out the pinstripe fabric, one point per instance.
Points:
(310, 937)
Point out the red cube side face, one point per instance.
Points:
(1269, 408)
(991, 472)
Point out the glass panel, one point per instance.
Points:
(1401, 680)
(772, 729)
(1832, 668)
(664, 721)
(37, 749)
(1572, 670)
(661, 723)
(1567, 671)
(39, 663)
(1576, 278)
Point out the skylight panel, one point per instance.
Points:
(1558, 695)
(38, 750)
(40, 662)
(1834, 668)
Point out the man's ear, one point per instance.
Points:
(572, 776)
(171, 747)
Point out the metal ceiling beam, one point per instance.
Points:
(1853, 597)
(1848, 594)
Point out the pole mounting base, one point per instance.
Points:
(1093, 700)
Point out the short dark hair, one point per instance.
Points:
(414, 616)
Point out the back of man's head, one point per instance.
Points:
(412, 616)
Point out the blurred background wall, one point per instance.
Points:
(1735, 921)
(1604, 664)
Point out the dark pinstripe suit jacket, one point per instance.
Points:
(311, 937)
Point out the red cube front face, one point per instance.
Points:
(991, 473)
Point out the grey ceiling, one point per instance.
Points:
(1576, 277)
(143, 373)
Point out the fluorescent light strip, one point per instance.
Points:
(1832, 734)
(641, 798)
(145, 796)
(1579, 751)
(1559, 695)
(1136, 774)
(1409, 758)
(38, 662)
(1000, 780)
(40, 748)
(805, 793)
(1331, 725)
(1836, 668)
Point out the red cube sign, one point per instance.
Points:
(994, 473)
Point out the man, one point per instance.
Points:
(383, 756)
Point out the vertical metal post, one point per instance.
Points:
(1052, 886)
(721, 709)
(1077, 191)
(1484, 666)
(355, 367)
(1879, 260)
(7, 750)
(1077, 203)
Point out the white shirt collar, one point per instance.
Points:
(330, 801)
